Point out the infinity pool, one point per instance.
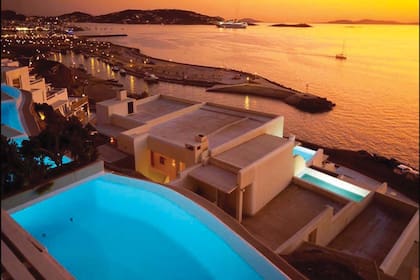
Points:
(333, 184)
(114, 227)
(306, 153)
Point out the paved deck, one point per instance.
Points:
(286, 214)
(373, 232)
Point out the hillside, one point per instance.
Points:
(11, 15)
(161, 16)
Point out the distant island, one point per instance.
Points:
(369, 21)
(290, 25)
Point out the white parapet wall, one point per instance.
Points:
(83, 173)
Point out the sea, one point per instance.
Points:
(376, 89)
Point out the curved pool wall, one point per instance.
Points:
(114, 227)
(9, 109)
(333, 184)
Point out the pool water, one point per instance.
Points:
(333, 184)
(10, 115)
(114, 227)
(306, 153)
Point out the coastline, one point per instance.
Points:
(234, 81)
(372, 165)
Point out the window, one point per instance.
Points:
(16, 83)
(162, 160)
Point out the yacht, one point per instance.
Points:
(232, 24)
(123, 72)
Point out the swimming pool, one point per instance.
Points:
(10, 115)
(114, 227)
(333, 184)
(306, 153)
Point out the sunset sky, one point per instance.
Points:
(265, 10)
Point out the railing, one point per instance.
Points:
(80, 102)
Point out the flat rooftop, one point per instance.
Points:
(286, 214)
(373, 232)
(157, 108)
(219, 125)
(252, 150)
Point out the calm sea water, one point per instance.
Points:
(376, 89)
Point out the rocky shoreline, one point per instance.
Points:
(374, 166)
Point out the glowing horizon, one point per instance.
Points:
(265, 10)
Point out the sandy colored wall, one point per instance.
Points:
(267, 177)
(124, 122)
(102, 114)
(21, 73)
(189, 157)
(320, 221)
(401, 248)
(327, 232)
(58, 96)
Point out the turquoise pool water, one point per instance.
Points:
(333, 184)
(114, 227)
(306, 153)
(10, 115)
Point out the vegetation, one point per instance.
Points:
(25, 166)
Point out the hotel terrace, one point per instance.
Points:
(40, 92)
(239, 161)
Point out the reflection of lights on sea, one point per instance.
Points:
(246, 102)
(132, 83)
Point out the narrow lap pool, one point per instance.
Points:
(333, 184)
(114, 227)
(306, 153)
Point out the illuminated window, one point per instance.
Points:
(16, 83)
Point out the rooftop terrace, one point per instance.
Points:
(252, 150)
(157, 108)
(286, 214)
(373, 232)
(219, 125)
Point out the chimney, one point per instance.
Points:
(122, 95)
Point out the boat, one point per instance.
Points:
(150, 78)
(123, 72)
(341, 55)
(232, 24)
(115, 68)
